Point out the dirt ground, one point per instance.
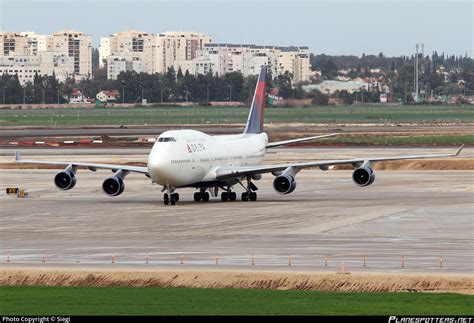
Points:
(346, 282)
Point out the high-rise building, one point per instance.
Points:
(13, 44)
(247, 59)
(130, 51)
(181, 46)
(67, 53)
(104, 51)
(76, 45)
(156, 53)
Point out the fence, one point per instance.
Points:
(326, 262)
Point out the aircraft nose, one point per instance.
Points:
(156, 160)
(158, 165)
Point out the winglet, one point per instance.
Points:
(459, 150)
(17, 156)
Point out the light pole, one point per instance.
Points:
(57, 95)
(186, 92)
(362, 94)
(123, 92)
(4, 88)
(42, 90)
(207, 93)
(162, 94)
(230, 93)
(141, 85)
(24, 94)
(406, 83)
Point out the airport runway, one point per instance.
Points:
(37, 133)
(106, 131)
(420, 215)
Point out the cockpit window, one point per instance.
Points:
(166, 139)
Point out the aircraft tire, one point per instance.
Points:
(197, 197)
(225, 196)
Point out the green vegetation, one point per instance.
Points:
(397, 74)
(442, 78)
(226, 115)
(412, 140)
(26, 300)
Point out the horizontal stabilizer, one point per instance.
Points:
(293, 141)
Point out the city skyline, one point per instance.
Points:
(366, 27)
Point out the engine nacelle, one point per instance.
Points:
(256, 177)
(113, 186)
(284, 184)
(65, 180)
(363, 176)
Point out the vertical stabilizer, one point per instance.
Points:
(256, 114)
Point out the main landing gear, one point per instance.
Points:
(246, 196)
(202, 195)
(250, 195)
(228, 195)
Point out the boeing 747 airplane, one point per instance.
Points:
(192, 159)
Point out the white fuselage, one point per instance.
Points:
(184, 157)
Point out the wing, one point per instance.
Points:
(292, 141)
(228, 172)
(91, 166)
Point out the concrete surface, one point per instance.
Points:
(420, 215)
(28, 133)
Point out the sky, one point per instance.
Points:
(341, 27)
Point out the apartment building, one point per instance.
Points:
(67, 53)
(131, 50)
(12, 44)
(247, 59)
(156, 53)
(76, 45)
(104, 51)
(181, 46)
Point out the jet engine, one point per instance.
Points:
(284, 183)
(114, 186)
(65, 180)
(363, 176)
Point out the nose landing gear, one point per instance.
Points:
(171, 197)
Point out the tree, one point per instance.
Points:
(319, 98)
(236, 82)
(10, 85)
(283, 82)
(179, 76)
(329, 69)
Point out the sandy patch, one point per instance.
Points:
(229, 279)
